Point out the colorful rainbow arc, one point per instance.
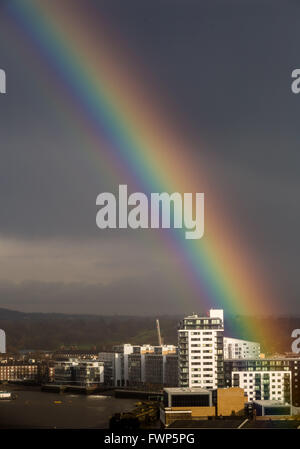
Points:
(143, 144)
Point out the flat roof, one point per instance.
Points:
(265, 359)
(186, 390)
(271, 403)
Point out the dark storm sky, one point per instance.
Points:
(225, 67)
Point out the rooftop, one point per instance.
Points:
(186, 390)
(270, 403)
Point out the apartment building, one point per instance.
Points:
(79, 372)
(264, 385)
(130, 365)
(240, 349)
(200, 350)
(89, 372)
(265, 379)
(18, 371)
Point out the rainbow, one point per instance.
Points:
(101, 93)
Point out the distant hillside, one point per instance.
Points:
(52, 330)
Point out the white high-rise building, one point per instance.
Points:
(240, 349)
(200, 350)
(2, 342)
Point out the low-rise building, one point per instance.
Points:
(186, 404)
(89, 372)
(190, 404)
(271, 408)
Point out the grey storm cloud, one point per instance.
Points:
(121, 297)
(225, 70)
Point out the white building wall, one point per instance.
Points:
(202, 352)
(240, 349)
(202, 363)
(2, 342)
(217, 313)
(276, 383)
(121, 359)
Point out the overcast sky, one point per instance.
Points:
(225, 67)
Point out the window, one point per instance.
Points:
(191, 400)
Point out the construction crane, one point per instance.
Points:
(158, 333)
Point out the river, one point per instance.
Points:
(36, 409)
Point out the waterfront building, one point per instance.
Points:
(89, 372)
(18, 371)
(153, 369)
(136, 369)
(133, 365)
(63, 372)
(46, 371)
(79, 372)
(108, 359)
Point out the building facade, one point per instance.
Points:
(2, 342)
(171, 370)
(79, 372)
(18, 371)
(200, 351)
(89, 372)
(271, 408)
(240, 349)
(154, 369)
(264, 385)
(199, 403)
(265, 379)
(130, 365)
